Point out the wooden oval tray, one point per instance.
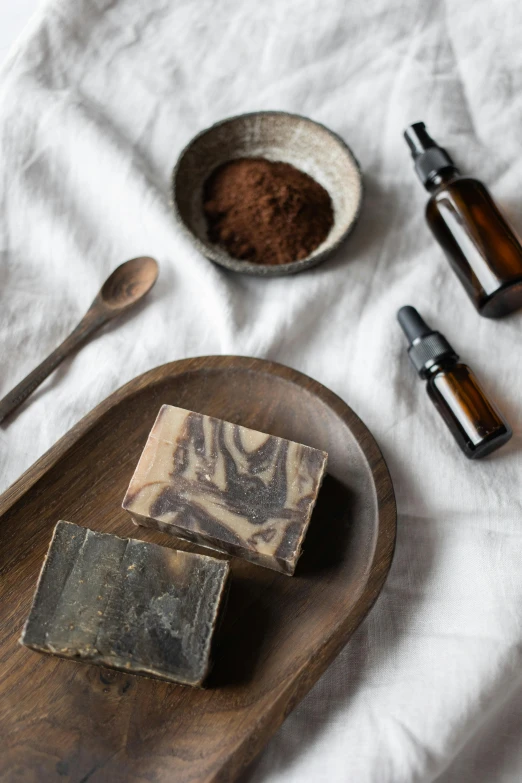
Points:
(66, 721)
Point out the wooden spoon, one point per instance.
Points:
(122, 290)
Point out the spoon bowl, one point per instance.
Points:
(128, 283)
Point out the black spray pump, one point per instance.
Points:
(482, 248)
(430, 159)
(474, 421)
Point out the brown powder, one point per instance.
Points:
(265, 212)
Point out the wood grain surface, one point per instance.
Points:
(66, 721)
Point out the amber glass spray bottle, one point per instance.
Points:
(479, 243)
(474, 421)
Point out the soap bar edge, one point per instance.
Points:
(266, 561)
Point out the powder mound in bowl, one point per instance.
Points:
(266, 212)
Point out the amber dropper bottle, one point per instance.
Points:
(474, 421)
(480, 245)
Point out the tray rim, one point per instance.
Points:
(306, 675)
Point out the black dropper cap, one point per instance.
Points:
(429, 158)
(427, 347)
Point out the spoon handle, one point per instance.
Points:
(89, 324)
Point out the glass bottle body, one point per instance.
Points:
(474, 421)
(481, 246)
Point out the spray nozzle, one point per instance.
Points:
(430, 159)
(418, 139)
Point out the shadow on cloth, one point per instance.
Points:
(483, 754)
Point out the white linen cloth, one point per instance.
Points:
(96, 101)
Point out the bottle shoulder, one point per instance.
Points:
(460, 195)
(460, 183)
(455, 369)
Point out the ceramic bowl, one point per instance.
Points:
(277, 136)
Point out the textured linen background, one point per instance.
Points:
(96, 101)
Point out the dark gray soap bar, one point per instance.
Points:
(126, 604)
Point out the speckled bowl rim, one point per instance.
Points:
(220, 256)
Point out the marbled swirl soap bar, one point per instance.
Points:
(226, 487)
(126, 604)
